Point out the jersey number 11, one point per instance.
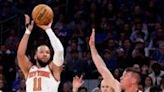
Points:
(37, 84)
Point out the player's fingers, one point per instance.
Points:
(32, 22)
(81, 77)
(27, 19)
(93, 29)
(93, 32)
(50, 23)
(76, 77)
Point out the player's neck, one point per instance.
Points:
(133, 88)
(38, 65)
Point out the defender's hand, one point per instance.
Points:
(92, 38)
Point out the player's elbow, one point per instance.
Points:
(58, 62)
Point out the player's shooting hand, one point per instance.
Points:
(44, 27)
(77, 81)
(29, 24)
(92, 38)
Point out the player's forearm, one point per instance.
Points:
(96, 58)
(57, 46)
(23, 43)
(99, 63)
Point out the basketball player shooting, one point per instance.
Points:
(45, 75)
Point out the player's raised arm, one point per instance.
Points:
(98, 61)
(57, 46)
(23, 61)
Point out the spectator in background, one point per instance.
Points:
(137, 67)
(67, 87)
(144, 69)
(155, 89)
(122, 59)
(77, 83)
(17, 84)
(156, 35)
(127, 46)
(61, 29)
(12, 42)
(117, 73)
(75, 64)
(144, 73)
(139, 31)
(8, 9)
(140, 43)
(72, 46)
(82, 89)
(158, 55)
(109, 59)
(127, 29)
(138, 57)
(90, 71)
(8, 66)
(148, 83)
(156, 74)
(162, 83)
(111, 44)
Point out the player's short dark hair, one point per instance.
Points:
(136, 73)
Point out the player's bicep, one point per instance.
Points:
(24, 64)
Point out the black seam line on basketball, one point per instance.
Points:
(41, 15)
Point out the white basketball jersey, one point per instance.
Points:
(41, 80)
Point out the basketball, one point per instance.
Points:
(42, 14)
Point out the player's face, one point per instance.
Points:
(125, 80)
(105, 87)
(43, 54)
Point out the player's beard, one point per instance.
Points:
(42, 64)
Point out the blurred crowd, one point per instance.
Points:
(128, 33)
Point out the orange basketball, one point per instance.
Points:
(42, 14)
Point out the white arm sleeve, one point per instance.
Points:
(57, 46)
